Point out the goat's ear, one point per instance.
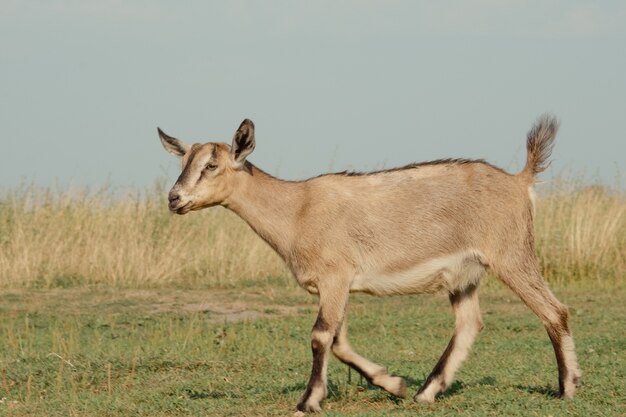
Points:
(243, 142)
(174, 146)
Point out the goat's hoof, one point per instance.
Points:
(394, 385)
(424, 398)
(568, 392)
(400, 387)
(569, 387)
(308, 407)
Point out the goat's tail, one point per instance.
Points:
(539, 143)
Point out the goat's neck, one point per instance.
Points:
(269, 205)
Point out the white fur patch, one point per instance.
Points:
(533, 197)
(569, 354)
(451, 272)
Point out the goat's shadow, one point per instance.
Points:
(300, 387)
(546, 390)
(413, 385)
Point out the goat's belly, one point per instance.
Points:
(449, 273)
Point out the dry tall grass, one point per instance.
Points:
(69, 238)
(581, 234)
(73, 238)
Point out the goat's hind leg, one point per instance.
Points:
(528, 284)
(375, 374)
(468, 325)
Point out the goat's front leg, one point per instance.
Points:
(374, 373)
(331, 313)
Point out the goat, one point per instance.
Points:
(421, 228)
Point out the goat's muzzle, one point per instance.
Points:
(176, 203)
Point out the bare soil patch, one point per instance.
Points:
(220, 305)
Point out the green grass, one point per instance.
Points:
(95, 352)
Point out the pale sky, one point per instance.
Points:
(330, 85)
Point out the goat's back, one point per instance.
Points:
(399, 218)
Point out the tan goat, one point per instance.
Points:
(434, 226)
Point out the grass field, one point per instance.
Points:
(111, 306)
(80, 352)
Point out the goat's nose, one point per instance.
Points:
(173, 196)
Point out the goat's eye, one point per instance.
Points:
(211, 167)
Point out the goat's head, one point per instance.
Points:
(209, 170)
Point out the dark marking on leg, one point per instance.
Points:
(438, 370)
(321, 325)
(316, 372)
(556, 335)
(360, 370)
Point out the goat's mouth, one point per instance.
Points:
(185, 208)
